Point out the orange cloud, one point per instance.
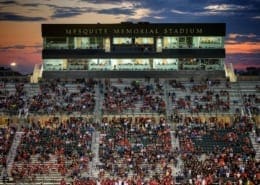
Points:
(245, 47)
(236, 35)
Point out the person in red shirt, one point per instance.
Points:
(139, 182)
(228, 183)
(63, 182)
(153, 182)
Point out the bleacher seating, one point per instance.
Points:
(6, 137)
(136, 96)
(154, 131)
(141, 148)
(59, 149)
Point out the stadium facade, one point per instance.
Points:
(133, 50)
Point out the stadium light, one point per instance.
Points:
(13, 64)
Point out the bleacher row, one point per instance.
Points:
(135, 95)
(134, 121)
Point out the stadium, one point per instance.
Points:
(130, 104)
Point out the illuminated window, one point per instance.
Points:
(99, 64)
(170, 42)
(88, 42)
(185, 42)
(166, 64)
(55, 64)
(77, 64)
(82, 42)
(56, 43)
(210, 42)
(144, 40)
(122, 40)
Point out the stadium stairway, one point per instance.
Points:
(236, 98)
(99, 98)
(256, 146)
(12, 153)
(175, 140)
(167, 100)
(93, 166)
(176, 168)
(179, 167)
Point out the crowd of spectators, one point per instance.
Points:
(67, 143)
(230, 159)
(251, 103)
(49, 98)
(139, 95)
(140, 147)
(205, 96)
(56, 97)
(133, 149)
(257, 135)
(13, 102)
(6, 137)
(208, 96)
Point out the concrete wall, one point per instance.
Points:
(183, 74)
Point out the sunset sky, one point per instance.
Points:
(20, 23)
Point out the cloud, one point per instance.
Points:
(8, 2)
(159, 17)
(23, 4)
(231, 42)
(225, 7)
(200, 13)
(121, 9)
(117, 11)
(16, 17)
(31, 4)
(247, 41)
(110, 1)
(64, 12)
(236, 35)
(204, 9)
(124, 10)
(244, 47)
(15, 47)
(179, 12)
(20, 47)
(256, 17)
(194, 13)
(141, 13)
